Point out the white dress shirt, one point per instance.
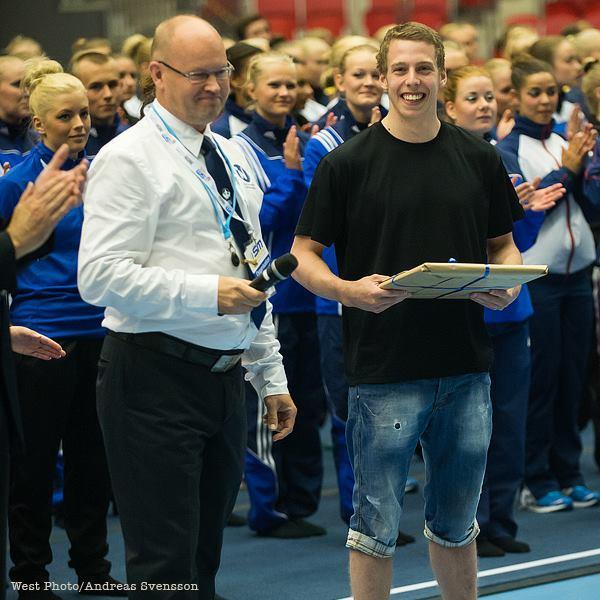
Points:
(152, 250)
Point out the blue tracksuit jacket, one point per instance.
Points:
(47, 299)
(284, 194)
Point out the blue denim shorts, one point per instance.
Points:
(452, 417)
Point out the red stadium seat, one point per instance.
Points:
(528, 19)
(281, 15)
(378, 17)
(431, 17)
(560, 14)
(284, 26)
(592, 14)
(329, 14)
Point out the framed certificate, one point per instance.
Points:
(455, 281)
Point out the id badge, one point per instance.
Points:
(256, 256)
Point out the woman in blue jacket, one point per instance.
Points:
(58, 401)
(274, 147)
(562, 301)
(471, 104)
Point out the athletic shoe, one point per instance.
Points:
(551, 502)
(411, 485)
(581, 496)
(510, 544)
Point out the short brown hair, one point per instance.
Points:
(414, 32)
(98, 58)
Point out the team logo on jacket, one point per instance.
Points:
(241, 172)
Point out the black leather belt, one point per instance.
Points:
(218, 361)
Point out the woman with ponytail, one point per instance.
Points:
(58, 401)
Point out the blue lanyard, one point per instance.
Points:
(218, 207)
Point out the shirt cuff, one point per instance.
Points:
(201, 293)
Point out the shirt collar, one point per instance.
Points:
(191, 138)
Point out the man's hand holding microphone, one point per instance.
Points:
(239, 296)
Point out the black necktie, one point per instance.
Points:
(217, 170)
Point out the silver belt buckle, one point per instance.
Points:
(225, 363)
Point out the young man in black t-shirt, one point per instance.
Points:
(408, 190)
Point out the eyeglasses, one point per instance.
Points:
(201, 77)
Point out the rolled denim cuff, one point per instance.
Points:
(470, 536)
(367, 545)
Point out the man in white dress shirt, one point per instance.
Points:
(171, 223)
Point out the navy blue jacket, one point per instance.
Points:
(15, 142)
(284, 194)
(231, 114)
(100, 135)
(46, 298)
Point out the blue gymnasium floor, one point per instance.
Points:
(316, 569)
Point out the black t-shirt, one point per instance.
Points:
(390, 205)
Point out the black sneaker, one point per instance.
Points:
(485, 548)
(310, 529)
(294, 529)
(404, 538)
(102, 585)
(510, 544)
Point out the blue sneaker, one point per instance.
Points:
(411, 485)
(581, 496)
(551, 502)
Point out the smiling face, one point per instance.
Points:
(474, 107)
(67, 121)
(274, 90)
(360, 82)
(192, 46)
(412, 79)
(538, 98)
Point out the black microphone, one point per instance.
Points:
(279, 269)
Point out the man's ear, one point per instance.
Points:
(156, 72)
(383, 81)
(443, 78)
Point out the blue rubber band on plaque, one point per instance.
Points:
(486, 273)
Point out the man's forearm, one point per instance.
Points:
(314, 274)
(503, 251)
(507, 255)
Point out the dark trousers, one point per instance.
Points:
(175, 435)
(298, 457)
(510, 375)
(560, 342)
(4, 470)
(336, 391)
(58, 402)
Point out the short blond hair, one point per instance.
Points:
(44, 81)
(414, 32)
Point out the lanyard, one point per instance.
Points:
(195, 166)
